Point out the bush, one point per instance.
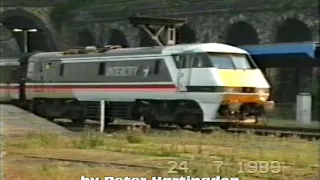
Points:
(135, 137)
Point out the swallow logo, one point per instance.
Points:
(146, 72)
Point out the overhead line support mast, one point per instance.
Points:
(149, 24)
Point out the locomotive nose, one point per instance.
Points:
(240, 78)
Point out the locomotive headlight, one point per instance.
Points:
(262, 90)
(263, 97)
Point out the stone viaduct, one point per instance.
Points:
(66, 24)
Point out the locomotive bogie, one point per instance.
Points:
(58, 108)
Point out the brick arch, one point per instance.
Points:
(293, 30)
(22, 19)
(240, 19)
(291, 18)
(185, 34)
(118, 38)
(241, 33)
(85, 38)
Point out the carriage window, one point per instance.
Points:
(30, 67)
(61, 69)
(48, 65)
(102, 68)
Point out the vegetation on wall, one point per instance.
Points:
(64, 12)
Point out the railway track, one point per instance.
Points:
(92, 163)
(303, 133)
(312, 134)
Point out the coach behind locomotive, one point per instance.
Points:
(192, 84)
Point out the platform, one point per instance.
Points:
(15, 121)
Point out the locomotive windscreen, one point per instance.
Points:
(231, 61)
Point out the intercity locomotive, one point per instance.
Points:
(190, 84)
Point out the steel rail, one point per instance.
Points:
(278, 133)
(92, 162)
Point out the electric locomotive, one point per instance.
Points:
(191, 84)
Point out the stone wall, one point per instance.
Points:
(8, 44)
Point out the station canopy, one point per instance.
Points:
(285, 54)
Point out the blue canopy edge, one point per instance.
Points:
(284, 50)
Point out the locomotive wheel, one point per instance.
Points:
(192, 119)
(37, 109)
(50, 118)
(47, 114)
(79, 120)
(197, 127)
(151, 120)
(224, 126)
(42, 110)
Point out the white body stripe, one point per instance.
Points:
(202, 47)
(113, 58)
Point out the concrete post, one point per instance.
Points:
(304, 108)
(102, 117)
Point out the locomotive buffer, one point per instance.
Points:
(155, 26)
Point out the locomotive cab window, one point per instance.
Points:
(190, 61)
(231, 61)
